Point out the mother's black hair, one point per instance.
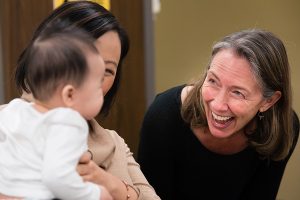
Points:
(94, 19)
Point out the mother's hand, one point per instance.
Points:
(91, 172)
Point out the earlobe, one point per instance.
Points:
(270, 101)
(68, 93)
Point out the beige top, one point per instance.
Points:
(112, 153)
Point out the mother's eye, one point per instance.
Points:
(109, 72)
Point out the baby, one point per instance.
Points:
(41, 142)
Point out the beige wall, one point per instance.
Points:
(185, 32)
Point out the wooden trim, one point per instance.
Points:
(128, 111)
(19, 20)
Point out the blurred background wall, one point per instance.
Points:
(186, 30)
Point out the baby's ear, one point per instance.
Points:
(68, 94)
(270, 101)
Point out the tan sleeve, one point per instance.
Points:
(146, 191)
(138, 180)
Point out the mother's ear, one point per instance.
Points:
(68, 94)
(269, 102)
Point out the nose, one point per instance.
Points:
(220, 102)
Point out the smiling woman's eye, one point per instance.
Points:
(238, 94)
(211, 80)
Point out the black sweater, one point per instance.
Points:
(178, 166)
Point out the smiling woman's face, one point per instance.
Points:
(231, 94)
(109, 47)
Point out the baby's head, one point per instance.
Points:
(64, 68)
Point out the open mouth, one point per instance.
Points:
(221, 119)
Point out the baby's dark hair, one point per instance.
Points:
(57, 57)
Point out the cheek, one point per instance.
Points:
(95, 103)
(101, 98)
(207, 94)
(107, 84)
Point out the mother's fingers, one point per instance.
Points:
(89, 151)
(82, 169)
(89, 167)
(86, 157)
(87, 177)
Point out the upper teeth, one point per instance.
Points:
(218, 117)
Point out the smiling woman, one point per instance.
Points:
(228, 135)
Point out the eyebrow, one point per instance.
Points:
(236, 87)
(110, 62)
(210, 72)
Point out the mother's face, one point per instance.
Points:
(109, 47)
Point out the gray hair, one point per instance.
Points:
(268, 59)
